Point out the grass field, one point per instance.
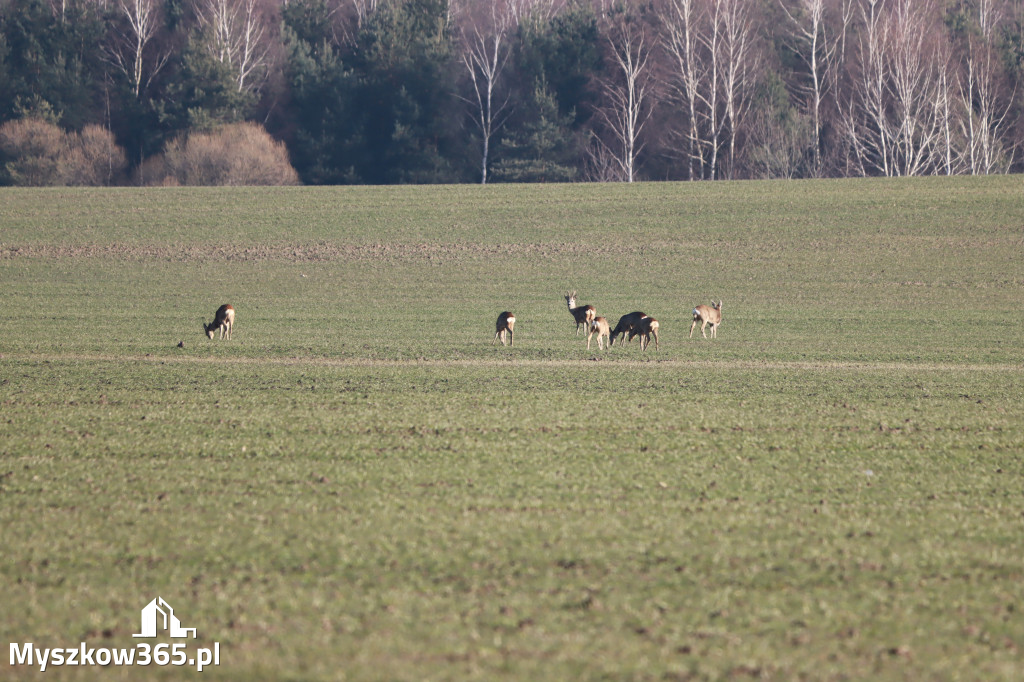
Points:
(359, 486)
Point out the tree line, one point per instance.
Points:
(424, 91)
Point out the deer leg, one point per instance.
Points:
(691, 328)
(511, 337)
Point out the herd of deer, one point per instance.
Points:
(634, 324)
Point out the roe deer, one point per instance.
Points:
(600, 327)
(625, 325)
(707, 315)
(223, 320)
(583, 315)
(645, 329)
(506, 321)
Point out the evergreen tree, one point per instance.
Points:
(322, 96)
(52, 59)
(543, 148)
(408, 114)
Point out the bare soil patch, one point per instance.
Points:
(322, 252)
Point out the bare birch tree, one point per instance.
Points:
(712, 40)
(896, 115)
(131, 52)
(238, 37)
(485, 53)
(818, 53)
(681, 21)
(985, 107)
(915, 67)
(543, 10)
(739, 69)
(628, 93)
(362, 9)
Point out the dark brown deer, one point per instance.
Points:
(600, 327)
(625, 325)
(707, 315)
(223, 321)
(506, 321)
(645, 329)
(583, 314)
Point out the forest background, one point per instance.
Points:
(114, 92)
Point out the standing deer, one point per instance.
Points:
(707, 315)
(583, 314)
(645, 329)
(600, 327)
(506, 321)
(223, 321)
(625, 325)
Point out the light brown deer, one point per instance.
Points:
(625, 325)
(223, 321)
(707, 315)
(583, 314)
(645, 329)
(506, 321)
(600, 327)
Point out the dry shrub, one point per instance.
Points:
(31, 150)
(37, 153)
(94, 158)
(236, 154)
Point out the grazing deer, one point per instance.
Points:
(645, 329)
(506, 321)
(600, 327)
(583, 314)
(223, 320)
(625, 325)
(707, 315)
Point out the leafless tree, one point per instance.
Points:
(362, 9)
(896, 118)
(628, 106)
(539, 9)
(485, 53)
(818, 50)
(985, 105)
(738, 70)
(238, 37)
(681, 21)
(712, 40)
(131, 52)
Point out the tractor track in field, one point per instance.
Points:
(327, 252)
(512, 362)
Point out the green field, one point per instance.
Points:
(359, 486)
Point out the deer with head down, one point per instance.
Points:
(707, 315)
(506, 322)
(625, 325)
(223, 321)
(584, 314)
(600, 327)
(645, 329)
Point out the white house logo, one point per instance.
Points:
(157, 615)
(157, 619)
